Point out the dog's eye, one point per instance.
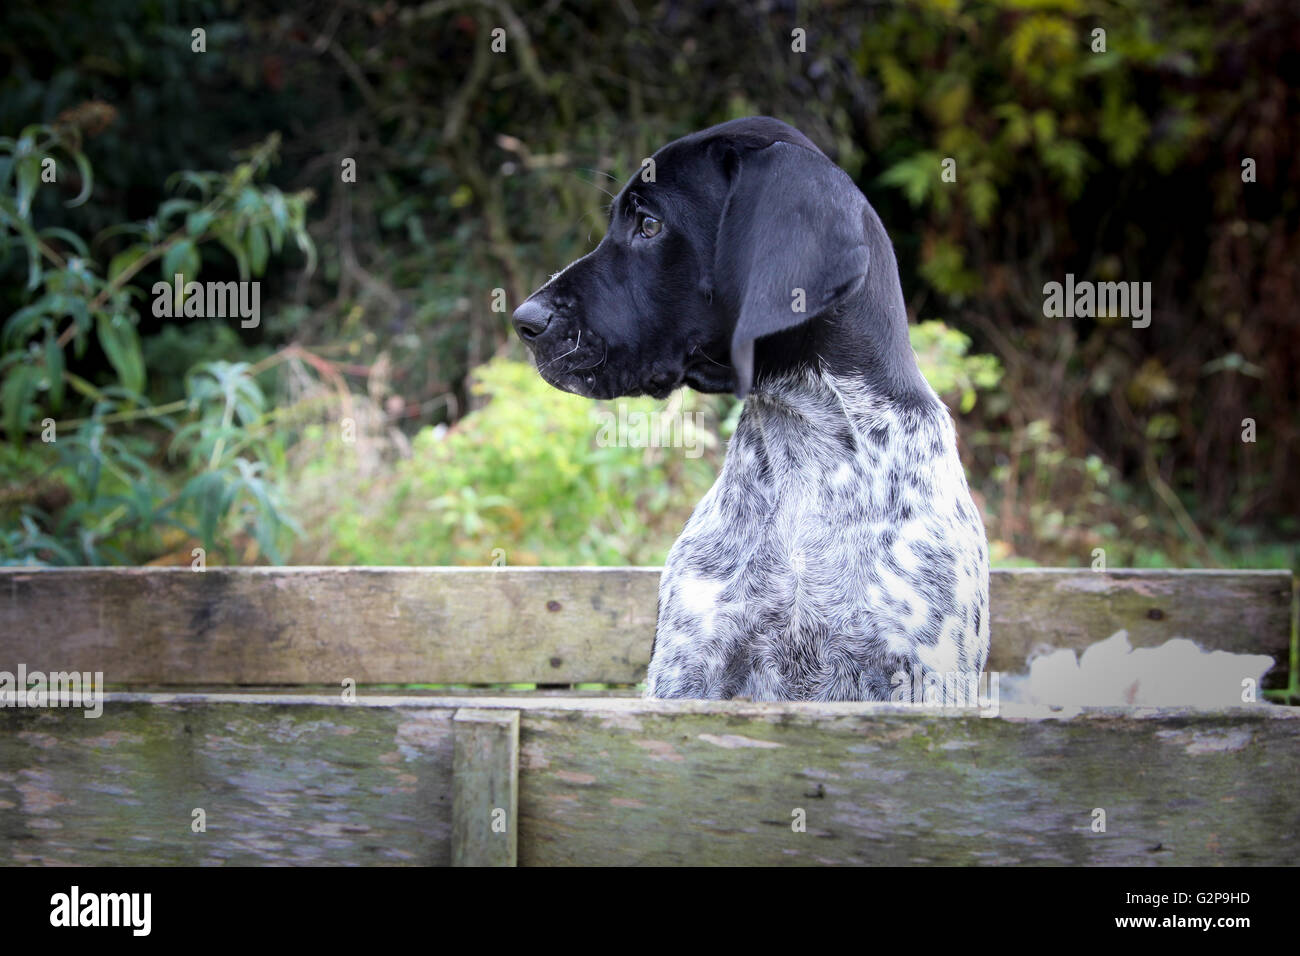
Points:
(648, 226)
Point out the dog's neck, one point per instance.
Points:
(864, 338)
(812, 408)
(806, 425)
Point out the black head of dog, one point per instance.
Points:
(741, 252)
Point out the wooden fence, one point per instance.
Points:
(233, 735)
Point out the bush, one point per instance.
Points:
(524, 479)
(114, 472)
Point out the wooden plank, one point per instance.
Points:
(317, 783)
(172, 626)
(166, 626)
(1246, 612)
(1176, 788)
(310, 780)
(485, 788)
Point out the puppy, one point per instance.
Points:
(839, 555)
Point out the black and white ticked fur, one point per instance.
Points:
(839, 555)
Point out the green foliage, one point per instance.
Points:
(1092, 137)
(99, 492)
(1044, 494)
(481, 172)
(941, 353)
(524, 479)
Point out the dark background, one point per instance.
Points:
(481, 170)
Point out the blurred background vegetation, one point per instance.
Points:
(381, 411)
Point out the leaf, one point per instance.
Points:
(9, 215)
(118, 264)
(249, 202)
(28, 169)
(125, 228)
(80, 312)
(948, 99)
(200, 181)
(308, 249)
(982, 198)
(197, 222)
(916, 176)
(54, 370)
(898, 81)
(1125, 127)
(182, 259)
(1067, 159)
(226, 237)
(171, 206)
(27, 320)
(1162, 427)
(87, 180)
(1017, 130)
(213, 493)
(258, 250)
(19, 387)
(71, 238)
(121, 345)
(279, 221)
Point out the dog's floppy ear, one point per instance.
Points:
(791, 237)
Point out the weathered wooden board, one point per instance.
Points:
(324, 625)
(1183, 788)
(312, 780)
(1246, 612)
(173, 626)
(485, 788)
(294, 783)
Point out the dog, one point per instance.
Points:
(839, 555)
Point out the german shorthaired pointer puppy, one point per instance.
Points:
(839, 555)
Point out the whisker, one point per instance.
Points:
(583, 368)
(566, 354)
(592, 169)
(709, 357)
(598, 185)
(583, 218)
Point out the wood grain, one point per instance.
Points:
(311, 780)
(285, 626)
(485, 788)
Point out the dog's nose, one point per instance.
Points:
(531, 319)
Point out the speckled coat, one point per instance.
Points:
(837, 557)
